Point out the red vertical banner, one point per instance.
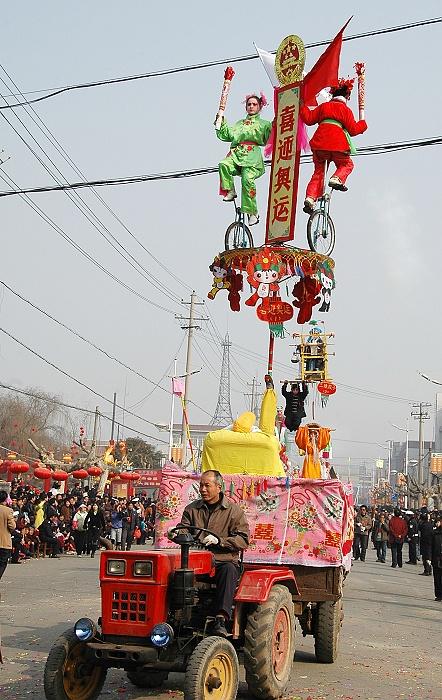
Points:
(283, 190)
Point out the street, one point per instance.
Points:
(390, 643)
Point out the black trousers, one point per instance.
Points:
(127, 537)
(360, 544)
(437, 576)
(396, 553)
(93, 534)
(412, 551)
(292, 421)
(80, 541)
(226, 580)
(4, 556)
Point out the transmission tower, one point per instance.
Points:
(223, 412)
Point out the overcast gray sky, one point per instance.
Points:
(385, 309)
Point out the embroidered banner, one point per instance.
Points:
(292, 521)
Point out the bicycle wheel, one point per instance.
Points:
(321, 232)
(238, 236)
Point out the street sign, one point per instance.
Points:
(436, 463)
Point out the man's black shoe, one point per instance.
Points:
(219, 628)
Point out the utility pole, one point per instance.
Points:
(253, 395)
(94, 434)
(421, 415)
(113, 415)
(190, 327)
(172, 411)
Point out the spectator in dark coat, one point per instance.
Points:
(436, 558)
(46, 535)
(426, 528)
(95, 524)
(413, 539)
(130, 522)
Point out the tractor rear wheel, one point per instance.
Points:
(270, 645)
(212, 671)
(328, 625)
(69, 674)
(147, 678)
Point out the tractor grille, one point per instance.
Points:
(128, 606)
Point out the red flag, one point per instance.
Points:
(325, 71)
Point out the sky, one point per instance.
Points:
(384, 311)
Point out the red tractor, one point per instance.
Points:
(156, 615)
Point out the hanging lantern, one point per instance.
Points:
(42, 473)
(326, 388)
(12, 455)
(80, 474)
(60, 475)
(94, 471)
(130, 476)
(19, 468)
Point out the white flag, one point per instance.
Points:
(268, 61)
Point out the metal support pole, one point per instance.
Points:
(113, 415)
(172, 410)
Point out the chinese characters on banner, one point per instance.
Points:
(283, 189)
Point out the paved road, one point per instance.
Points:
(390, 646)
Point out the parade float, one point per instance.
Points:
(157, 605)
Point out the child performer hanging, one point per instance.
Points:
(331, 141)
(245, 157)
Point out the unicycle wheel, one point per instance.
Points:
(321, 232)
(238, 236)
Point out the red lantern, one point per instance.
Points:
(60, 475)
(130, 476)
(276, 312)
(80, 474)
(94, 471)
(42, 473)
(326, 388)
(19, 467)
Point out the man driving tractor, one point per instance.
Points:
(227, 520)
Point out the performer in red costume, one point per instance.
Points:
(331, 141)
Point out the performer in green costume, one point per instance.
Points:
(245, 157)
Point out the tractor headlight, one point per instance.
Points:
(162, 635)
(85, 629)
(143, 568)
(116, 567)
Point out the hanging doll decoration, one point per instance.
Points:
(306, 297)
(235, 280)
(220, 280)
(327, 285)
(263, 272)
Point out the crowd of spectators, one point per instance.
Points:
(391, 529)
(77, 522)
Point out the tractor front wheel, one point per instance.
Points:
(270, 645)
(145, 678)
(69, 674)
(212, 671)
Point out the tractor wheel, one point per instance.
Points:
(147, 678)
(69, 674)
(212, 671)
(270, 645)
(328, 625)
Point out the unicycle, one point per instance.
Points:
(238, 233)
(320, 227)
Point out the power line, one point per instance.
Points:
(42, 214)
(211, 64)
(94, 345)
(83, 207)
(377, 149)
(70, 376)
(78, 408)
(61, 150)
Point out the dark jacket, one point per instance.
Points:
(413, 529)
(426, 529)
(382, 530)
(94, 520)
(436, 548)
(46, 531)
(227, 521)
(294, 403)
(131, 520)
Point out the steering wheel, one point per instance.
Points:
(194, 533)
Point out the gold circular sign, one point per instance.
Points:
(290, 60)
